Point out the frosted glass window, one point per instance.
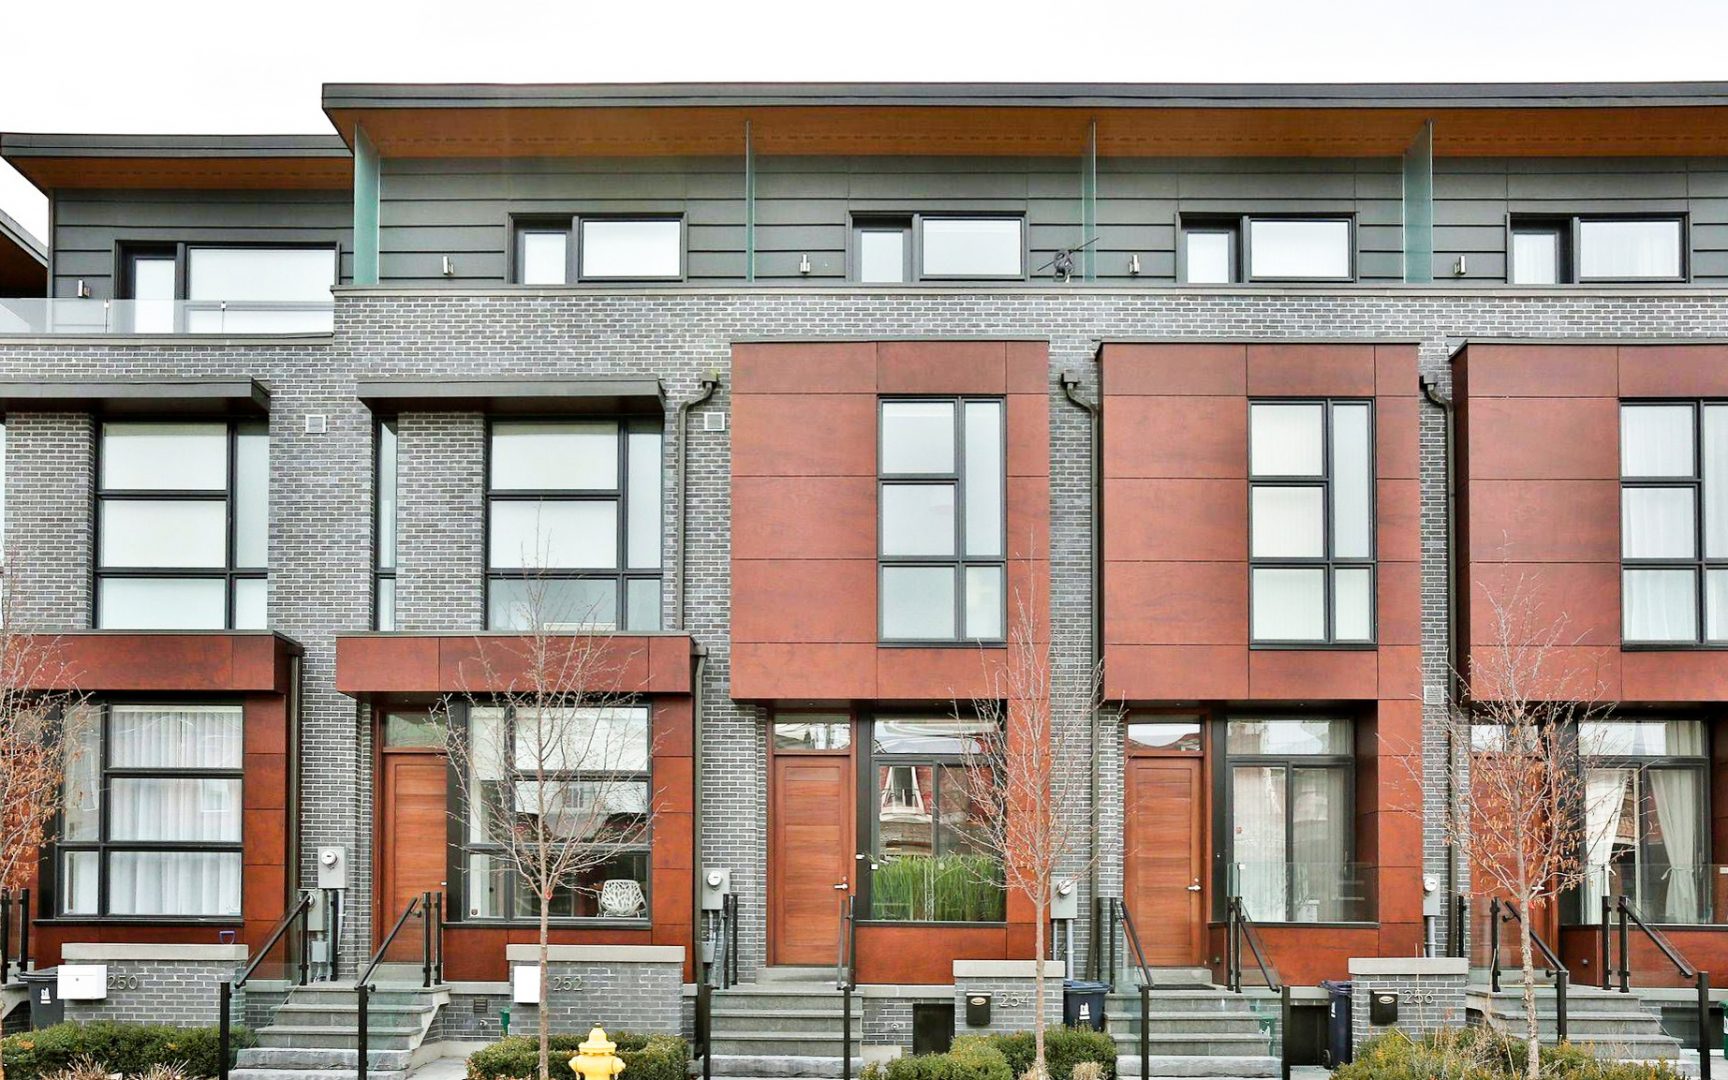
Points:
(918, 603)
(918, 519)
(984, 478)
(632, 249)
(252, 495)
(973, 247)
(1715, 481)
(1299, 248)
(642, 597)
(153, 277)
(284, 275)
(552, 605)
(125, 603)
(1656, 440)
(984, 606)
(1352, 473)
(1289, 604)
(252, 603)
(1286, 440)
(386, 603)
(1535, 257)
(1629, 250)
(917, 437)
(163, 533)
(1289, 522)
(174, 883)
(644, 527)
(1657, 523)
(1352, 604)
(544, 257)
(549, 534)
(387, 496)
(164, 457)
(1660, 605)
(1287, 736)
(1716, 605)
(533, 455)
(881, 256)
(1210, 257)
(175, 737)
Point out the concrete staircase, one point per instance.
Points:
(1613, 1025)
(786, 1024)
(1194, 1029)
(315, 1035)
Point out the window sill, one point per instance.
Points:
(1265, 923)
(224, 921)
(1313, 646)
(584, 923)
(1673, 646)
(929, 923)
(900, 644)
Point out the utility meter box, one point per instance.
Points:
(81, 982)
(978, 1010)
(1064, 900)
(1383, 1007)
(715, 885)
(332, 868)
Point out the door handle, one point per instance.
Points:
(842, 886)
(1194, 887)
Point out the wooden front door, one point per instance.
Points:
(812, 852)
(413, 836)
(1163, 864)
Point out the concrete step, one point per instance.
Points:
(805, 975)
(346, 1014)
(778, 1066)
(1214, 1066)
(1195, 1045)
(1189, 1000)
(777, 1043)
(381, 997)
(340, 1038)
(821, 1020)
(315, 1074)
(304, 1058)
(1172, 1023)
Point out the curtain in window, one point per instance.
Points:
(1677, 812)
(177, 737)
(1604, 797)
(1257, 802)
(1319, 818)
(174, 883)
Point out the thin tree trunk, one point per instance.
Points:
(1532, 1047)
(545, 1018)
(1040, 1070)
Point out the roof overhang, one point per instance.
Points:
(1150, 120)
(514, 397)
(139, 397)
(316, 162)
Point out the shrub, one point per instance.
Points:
(1480, 1054)
(82, 1069)
(646, 1057)
(973, 1057)
(1064, 1048)
(1088, 1070)
(116, 1047)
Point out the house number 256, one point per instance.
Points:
(570, 983)
(1417, 997)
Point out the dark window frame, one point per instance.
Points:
(959, 561)
(1558, 227)
(128, 250)
(1328, 562)
(1571, 253)
(867, 826)
(911, 223)
(881, 223)
(380, 572)
(461, 845)
(1700, 564)
(50, 862)
(1241, 230)
(571, 226)
(622, 573)
(229, 574)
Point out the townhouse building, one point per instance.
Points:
(808, 399)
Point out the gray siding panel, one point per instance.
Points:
(90, 226)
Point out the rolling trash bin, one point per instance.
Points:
(46, 1008)
(1083, 1003)
(1338, 1048)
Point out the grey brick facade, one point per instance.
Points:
(176, 985)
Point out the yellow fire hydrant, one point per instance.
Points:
(596, 1060)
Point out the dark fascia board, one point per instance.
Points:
(25, 145)
(139, 397)
(1456, 345)
(13, 233)
(341, 96)
(513, 397)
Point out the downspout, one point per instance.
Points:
(1430, 390)
(1070, 380)
(697, 872)
(705, 390)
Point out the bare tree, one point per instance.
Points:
(553, 765)
(39, 735)
(1520, 806)
(1014, 773)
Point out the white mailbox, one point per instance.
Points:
(82, 982)
(525, 984)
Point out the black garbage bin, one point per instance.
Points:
(46, 1008)
(1083, 1003)
(1338, 1048)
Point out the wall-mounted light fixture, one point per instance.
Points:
(83, 290)
(803, 264)
(1134, 265)
(449, 267)
(1460, 267)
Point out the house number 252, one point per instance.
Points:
(570, 983)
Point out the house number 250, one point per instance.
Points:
(124, 982)
(570, 983)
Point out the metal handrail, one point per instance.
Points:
(1240, 928)
(225, 989)
(1500, 911)
(1104, 945)
(1131, 941)
(1628, 914)
(431, 958)
(6, 959)
(846, 975)
(1460, 926)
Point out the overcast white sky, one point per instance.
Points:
(184, 66)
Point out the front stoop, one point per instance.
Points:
(1616, 1026)
(315, 1035)
(787, 1024)
(1194, 1029)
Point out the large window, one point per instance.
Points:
(942, 490)
(152, 818)
(384, 595)
(1558, 250)
(557, 251)
(894, 249)
(182, 526)
(929, 857)
(1290, 808)
(584, 774)
(212, 288)
(1311, 522)
(574, 525)
(1674, 522)
(1646, 818)
(1221, 250)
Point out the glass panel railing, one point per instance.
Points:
(937, 888)
(42, 317)
(1268, 1008)
(1664, 895)
(1305, 892)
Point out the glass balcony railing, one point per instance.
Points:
(1662, 894)
(1305, 892)
(36, 316)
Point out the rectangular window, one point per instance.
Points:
(385, 596)
(151, 825)
(228, 288)
(930, 861)
(1646, 818)
(883, 252)
(941, 491)
(1311, 522)
(1674, 522)
(1290, 809)
(542, 256)
(632, 249)
(583, 774)
(574, 525)
(182, 525)
(1251, 247)
(1559, 250)
(1209, 256)
(973, 247)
